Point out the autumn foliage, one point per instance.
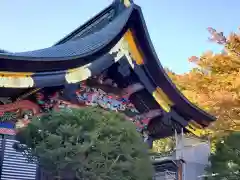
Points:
(214, 83)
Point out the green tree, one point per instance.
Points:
(225, 162)
(164, 146)
(87, 143)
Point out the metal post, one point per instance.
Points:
(2, 153)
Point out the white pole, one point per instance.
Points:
(182, 143)
(176, 139)
(184, 170)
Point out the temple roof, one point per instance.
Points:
(78, 48)
(182, 104)
(81, 49)
(98, 43)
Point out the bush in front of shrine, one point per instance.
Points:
(86, 143)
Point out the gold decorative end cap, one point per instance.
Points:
(127, 3)
(78, 74)
(16, 79)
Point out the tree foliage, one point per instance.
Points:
(214, 83)
(225, 162)
(165, 145)
(87, 143)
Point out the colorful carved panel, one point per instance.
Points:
(18, 113)
(105, 94)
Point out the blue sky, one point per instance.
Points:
(177, 28)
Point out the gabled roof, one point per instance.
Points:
(71, 53)
(94, 24)
(157, 73)
(99, 21)
(78, 56)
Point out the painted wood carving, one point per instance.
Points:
(103, 94)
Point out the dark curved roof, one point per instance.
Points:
(160, 77)
(66, 54)
(91, 45)
(96, 23)
(79, 48)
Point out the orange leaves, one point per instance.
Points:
(233, 46)
(217, 37)
(214, 84)
(193, 59)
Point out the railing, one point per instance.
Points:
(166, 175)
(167, 154)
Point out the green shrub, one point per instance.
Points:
(87, 143)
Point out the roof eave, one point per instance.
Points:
(197, 111)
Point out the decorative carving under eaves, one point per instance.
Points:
(114, 99)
